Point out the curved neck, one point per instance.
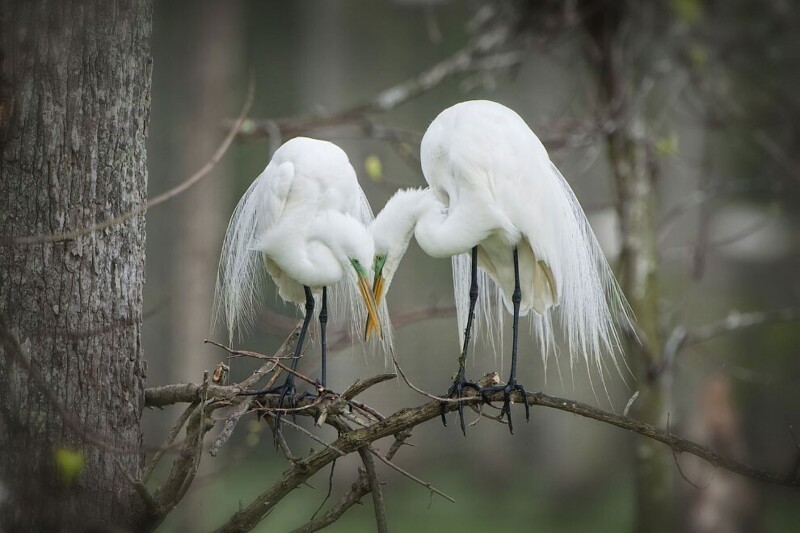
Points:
(393, 227)
(448, 232)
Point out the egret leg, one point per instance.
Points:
(512, 385)
(323, 324)
(288, 390)
(460, 383)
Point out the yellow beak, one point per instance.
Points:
(377, 291)
(369, 302)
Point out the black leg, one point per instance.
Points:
(288, 387)
(512, 385)
(323, 323)
(460, 383)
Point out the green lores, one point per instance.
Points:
(377, 291)
(380, 260)
(362, 272)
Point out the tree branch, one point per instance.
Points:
(405, 419)
(487, 51)
(375, 487)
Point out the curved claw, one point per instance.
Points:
(287, 389)
(508, 390)
(456, 390)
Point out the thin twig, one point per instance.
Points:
(360, 386)
(366, 409)
(358, 490)
(161, 198)
(470, 396)
(737, 321)
(330, 490)
(264, 356)
(375, 487)
(680, 469)
(281, 440)
(242, 408)
(476, 56)
(409, 475)
(404, 419)
(151, 505)
(399, 441)
(170, 439)
(308, 434)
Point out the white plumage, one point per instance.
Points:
(302, 221)
(492, 185)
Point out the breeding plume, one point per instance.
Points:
(497, 202)
(303, 222)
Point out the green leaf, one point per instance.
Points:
(698, 55)
(667, 145)
(688, 11)
(69, 463)
(374, 168)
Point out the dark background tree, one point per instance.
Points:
(74, 115)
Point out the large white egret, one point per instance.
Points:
(495, 195)
(302, 221)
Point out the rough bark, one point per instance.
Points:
(75, 107)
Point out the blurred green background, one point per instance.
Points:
(738, 175)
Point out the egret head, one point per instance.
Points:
(391, 232)
(352, 245)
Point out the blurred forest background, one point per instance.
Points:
(716, 103)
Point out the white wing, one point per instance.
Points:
(241, 275)
(492, 153)
(305, 177)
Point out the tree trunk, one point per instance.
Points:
(74, 110)
(611, 27)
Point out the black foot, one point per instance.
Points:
(286, 400)
(319, 390)
(456, 390)
(508, 389)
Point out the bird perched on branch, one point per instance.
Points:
(303, 222)
(499, 207)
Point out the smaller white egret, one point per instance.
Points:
(303, 221)
(495, 195)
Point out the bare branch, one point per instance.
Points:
(410, 476)
(358, 490)
(275, 360)
(184, 467)
(232, 420)
(405, 419)
(738, 321)
(170, 439)
(375, 487)
(486, 51)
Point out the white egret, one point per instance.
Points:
(302, 221)
(495, 195)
